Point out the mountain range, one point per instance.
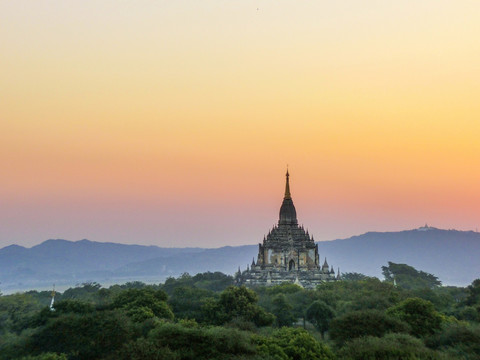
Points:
(452, 255)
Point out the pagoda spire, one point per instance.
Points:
(288, 214)
(287, 186)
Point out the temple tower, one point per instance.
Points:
(288, 253)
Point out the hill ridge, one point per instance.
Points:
(59, 260)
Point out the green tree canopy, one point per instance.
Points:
(236, 303)
(73, 306)
(320, 315)
(86, 292)
(81, 336)
(473, 296)
(364, 323)
(347, 296)
(214, 281)
(146, 349)
(458, 340)
(408, 277)
(419, 314)
(16, 311)
(283, 311)
(354, 276)
(144, 303)
(285, 288)
(298, 344)
(390, 347)
(187, 302)
(176, 341)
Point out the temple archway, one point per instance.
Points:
(291, 265)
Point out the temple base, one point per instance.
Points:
(270, 277)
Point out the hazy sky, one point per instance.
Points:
(172, 122)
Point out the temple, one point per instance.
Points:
(288, 254)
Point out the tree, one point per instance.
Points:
(298, 344)
(215, 281)
(364, 323)
(284, 288)
(408, 277)
(419, 314)
(81, 336)
(187, 302)
(458, 339)
(86, 292)
(171, 283)
(62, 307)
(347, 296)
(300, 300)
(390, 347)
(16, 311)
(73, 306)
(144, 303)
(146, 349)
(320, 315)
(468, 313)
(473, 296)
(236, 302)
(354, 276)
(198, 343)
(283, 311)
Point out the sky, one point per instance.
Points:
(172, 122)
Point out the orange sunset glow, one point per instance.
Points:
(172, 122)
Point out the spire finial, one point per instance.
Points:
(287, 186)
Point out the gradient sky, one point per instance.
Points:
(172, 122)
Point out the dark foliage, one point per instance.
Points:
(236, 302)
(354, 276)
(81, 336)
(473, 297)
(364, 323)
(459, 340)
(204, 317)
(408, 277)
(419, 314)
(390, 347)
(185, 342)
(320, 315)
(142, 304)
(283, 311)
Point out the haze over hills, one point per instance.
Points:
(451, 255)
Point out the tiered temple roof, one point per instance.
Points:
(288, 253)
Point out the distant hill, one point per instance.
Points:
(451, 255)
(71, 262)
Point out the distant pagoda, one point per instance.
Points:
(288, 254)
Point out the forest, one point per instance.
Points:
(406, 315)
